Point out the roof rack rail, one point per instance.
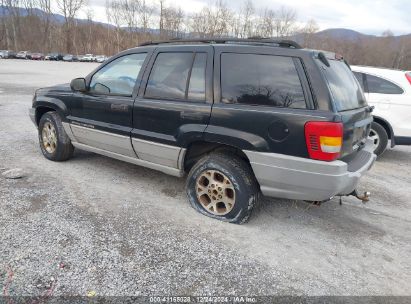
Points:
(251, 40)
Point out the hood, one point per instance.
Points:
(60, 88)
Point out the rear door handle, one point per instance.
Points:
(191, 115)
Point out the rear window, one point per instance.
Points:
(263, 80)
(344, 87)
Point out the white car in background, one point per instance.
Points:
(389, 91)
(101, 58)
(88, 58)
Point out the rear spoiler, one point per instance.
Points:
(324, 56)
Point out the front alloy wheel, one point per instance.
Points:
(49, 136)
(54, 142)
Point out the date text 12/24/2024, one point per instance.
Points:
(203, 299)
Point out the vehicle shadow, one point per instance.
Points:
(349, 222)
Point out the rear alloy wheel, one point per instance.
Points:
(221, 185)
(379, 137)
(215, 192)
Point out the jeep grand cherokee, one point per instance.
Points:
(240, 117)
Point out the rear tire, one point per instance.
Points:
(222, 186)
(379, 137)
(54, 142)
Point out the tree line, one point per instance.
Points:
(31, 25)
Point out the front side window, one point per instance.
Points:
(179, 76)
(382, 86)
(119, 76)
(261, 80)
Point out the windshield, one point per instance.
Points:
(344, 87)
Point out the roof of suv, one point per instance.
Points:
(281, 44)
(231, 41)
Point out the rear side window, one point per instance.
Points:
(382, 86)
(178, 76)
(261, 80)
(345, 89)
(119, 76)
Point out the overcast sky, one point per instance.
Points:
(366, 16)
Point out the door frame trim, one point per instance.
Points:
(158, 153)
(175, 171)
(136, 161)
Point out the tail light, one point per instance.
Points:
(408, 76)
(324, 139)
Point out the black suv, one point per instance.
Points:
(54, 56)
(239, 116)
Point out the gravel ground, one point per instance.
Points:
(94, 225)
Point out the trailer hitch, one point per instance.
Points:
(364, 198)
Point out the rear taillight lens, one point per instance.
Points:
(324, 139)
(408, 76)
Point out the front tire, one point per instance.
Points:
(379, 137)
(223, 186)
(54, 142)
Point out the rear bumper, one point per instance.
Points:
(306, 179)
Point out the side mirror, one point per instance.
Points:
(78, 84)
